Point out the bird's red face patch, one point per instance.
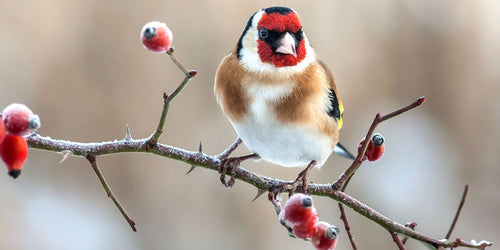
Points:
(280, 23)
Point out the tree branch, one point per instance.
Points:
(213, 163)
(398, 241)
(460, 206)
(167, 99)
(412, 226)
(104, 183)
(378, 119)
(343, 217)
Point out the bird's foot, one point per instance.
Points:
(231, 164)
(301, 179)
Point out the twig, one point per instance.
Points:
(343, 217)
(378, 119)
(473, 244)
(412, 226)
(460, 206)
(167, 99)
(398, 241)
(179, 65)
(95, 167)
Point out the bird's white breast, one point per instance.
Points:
(288, 145)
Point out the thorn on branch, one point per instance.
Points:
(65, 155)
(200, 152)
(128, 135)
(190, 169)
(260, 192)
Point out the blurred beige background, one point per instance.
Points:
(81, 67)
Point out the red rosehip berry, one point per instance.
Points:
(298, 209)
(325, 237)
(307, 229)
(156, 37)
(375, 149)
(2, 129)
(14, 151)
(19, 119)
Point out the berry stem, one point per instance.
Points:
(167, 99)
(177, 63)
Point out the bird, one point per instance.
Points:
(281, 99)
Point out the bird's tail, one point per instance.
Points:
(342, 151)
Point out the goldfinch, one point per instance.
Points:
(280, 98)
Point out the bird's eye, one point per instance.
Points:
(299, 35)
(263, 33)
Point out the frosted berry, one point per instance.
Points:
(298, 209)
(156, 37)
(19, 119)
(325, 237)
(307, 229)
(375, 149)
(2, 129)
(14, 151)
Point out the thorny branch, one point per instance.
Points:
(196, 158)
(213, 163)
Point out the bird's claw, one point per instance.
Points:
(301, 179)
(231, 164)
